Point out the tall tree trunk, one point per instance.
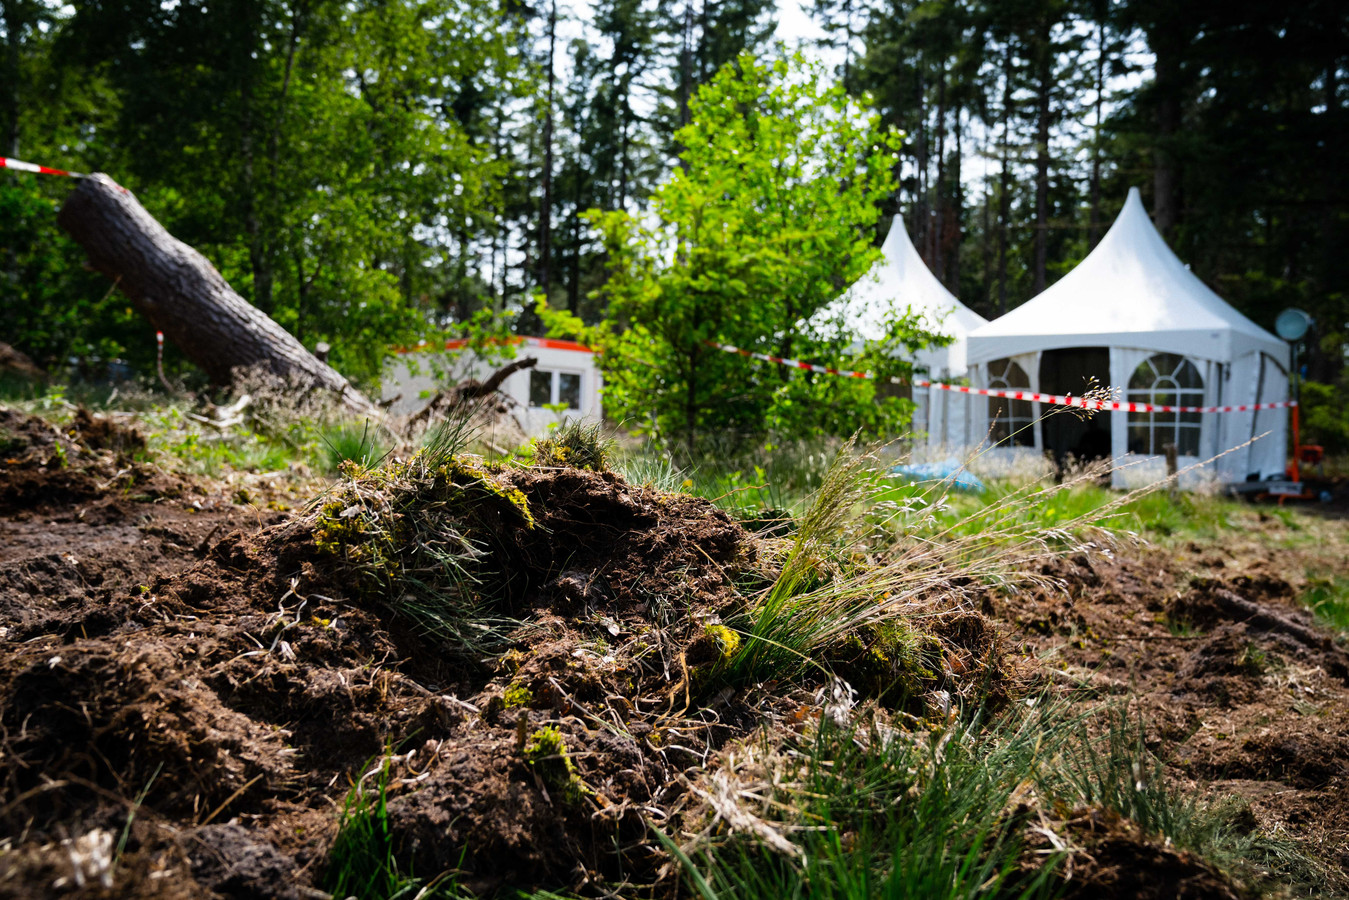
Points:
(986, 243)
(684, 90)
(259, 254)
(935, 242)
(182, 295)
(546, 213)
(847, 43)
(1005, 181)
(1164, 175)
(9, 90)
(920, 209)
(1044, 74)
(957, 215)
(574, 282)
(499, 224)
(625, 118)
(1094, 222)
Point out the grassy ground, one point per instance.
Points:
(865, 789)
(178, 435)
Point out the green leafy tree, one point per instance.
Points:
(329, 158)
(769, 217)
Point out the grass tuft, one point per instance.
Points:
(579, 445)
(361, 862)
(413, 535)
(875, 806)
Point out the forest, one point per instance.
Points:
(373, 173)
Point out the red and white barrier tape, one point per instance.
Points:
(1032, 396)
(19, 165)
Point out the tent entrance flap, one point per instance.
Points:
(1075, 371)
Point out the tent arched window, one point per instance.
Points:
(1167, 379)
(1010, 420)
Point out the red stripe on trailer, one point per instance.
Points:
(461, 343)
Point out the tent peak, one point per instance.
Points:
(1131, 290)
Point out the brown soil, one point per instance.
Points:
(229, 689)
(196, 680)
(1245, 697)
(1116, 861)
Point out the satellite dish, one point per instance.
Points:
(1292, 324)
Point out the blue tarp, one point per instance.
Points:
(946, 470)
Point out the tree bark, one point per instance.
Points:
(181, 294)
(546, 210)
(9, 91)
(1094, 223)
(1168, 48)
(1004, 181)
(935, 258)
(1044, 74)
(957, 217)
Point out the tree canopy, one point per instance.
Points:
(372, 172)
(769, 216)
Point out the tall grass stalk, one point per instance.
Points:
(910, 571)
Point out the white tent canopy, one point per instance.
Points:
(1168, 339)
(900, 281)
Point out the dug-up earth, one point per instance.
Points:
(1245, 696)
(190, 685)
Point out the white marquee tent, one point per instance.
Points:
(1135, 318)
(900, 280)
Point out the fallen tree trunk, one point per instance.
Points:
(12, 360)
(181, 294)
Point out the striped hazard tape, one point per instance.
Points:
(1032, 396)
(19, 165)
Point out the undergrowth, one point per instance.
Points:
(273, 432)
(363, 860)
(1328, 597)
(862, 804)
(413, 534)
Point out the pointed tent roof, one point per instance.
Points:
(900, 279)
(1131, 291)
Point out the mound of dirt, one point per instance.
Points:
(1114, 860)
(45, 467)
(234, 701)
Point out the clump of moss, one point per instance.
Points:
(546, 753)
(512, 660)
(891, 659)
(413, 534)
(517, 694)
(715, 646)
(575, 444)
(724, 639)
